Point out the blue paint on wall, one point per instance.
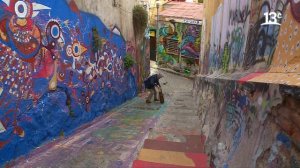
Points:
(284, 139)
(51, 81)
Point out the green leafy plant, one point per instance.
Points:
(140, 19)
(187, 71)
(128, 61)
(96, 40)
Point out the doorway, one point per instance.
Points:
(153, 45)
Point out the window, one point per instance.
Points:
(172, 46)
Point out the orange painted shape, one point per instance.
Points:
(173, 158)
(286, 57)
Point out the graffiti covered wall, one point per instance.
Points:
(250, 124)
(59, 68)
(248, 92)
(237, 40)
(119, 13)
(179, 38)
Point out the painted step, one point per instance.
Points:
(144, 164)
(187, 112)
(177, 131)
(173, 137)
(194, 144)
(198, 160)
(189, 123)
(182, 117)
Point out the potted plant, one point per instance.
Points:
(128, 61)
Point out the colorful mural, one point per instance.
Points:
(176, 38)
(59, 68)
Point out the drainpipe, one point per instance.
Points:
(120, 6)
(157, 28)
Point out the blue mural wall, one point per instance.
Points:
(59, 68)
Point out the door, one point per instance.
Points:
(153, 45)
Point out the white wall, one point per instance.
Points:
(120, 15)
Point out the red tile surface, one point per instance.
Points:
(183, 10)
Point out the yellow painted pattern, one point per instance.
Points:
(165, 157)
(287, 55)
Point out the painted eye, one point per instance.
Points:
(69, 51)
(55, 31)
(76, 49)
(21, 9)
(109, 67)
(62, 75)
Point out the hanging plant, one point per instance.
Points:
(140, 19)
(96, 40)
(128, 61)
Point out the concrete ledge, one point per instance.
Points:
(174, 72)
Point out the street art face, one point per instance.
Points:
(51, 78)
(187, 38)
(19, 27)
(190, 44)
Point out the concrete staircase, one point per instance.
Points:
(176, 140)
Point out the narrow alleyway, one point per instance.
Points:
(115, 140)
(176, 140)
(72, 72)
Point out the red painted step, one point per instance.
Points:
(193, 144)
(159, 153)
(160, 158)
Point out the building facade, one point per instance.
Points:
(179, 35)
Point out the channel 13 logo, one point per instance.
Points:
(272, 18)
